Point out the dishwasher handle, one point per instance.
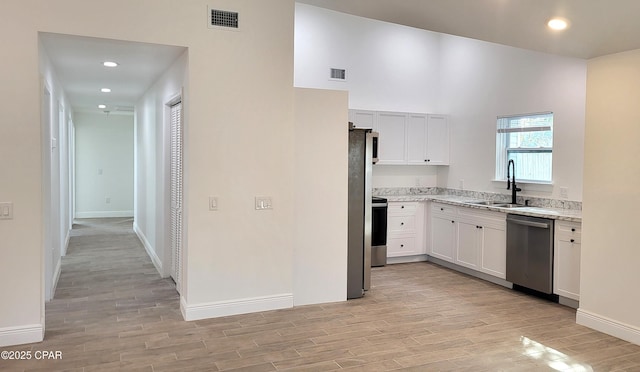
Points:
(541, 225)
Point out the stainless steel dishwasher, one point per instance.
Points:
(530, 252)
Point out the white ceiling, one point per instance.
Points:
(598, 27)
(78, 65)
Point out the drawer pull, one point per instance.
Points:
(442, 209)
(573, 241)
(401, 245)
(401, 223)
(573, 229)
(453, 221)
(402, 207)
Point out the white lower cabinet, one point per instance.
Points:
(470, 238)
(566, 259)
(443, 232)
(405, 229)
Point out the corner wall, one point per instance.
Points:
(321, 196)
(609, 273)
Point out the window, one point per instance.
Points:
(528, 141)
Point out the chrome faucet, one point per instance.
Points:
(511, 182)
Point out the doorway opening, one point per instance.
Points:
(79, 91)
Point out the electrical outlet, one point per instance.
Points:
(6, 211)
(263, 202)
(564, 192)
(213, 203)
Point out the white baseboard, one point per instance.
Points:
(104, 214)
(235, 307)
(21, 335)
(147, 247)
(608, 326)
(406, 259)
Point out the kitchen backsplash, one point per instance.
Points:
(533, 201)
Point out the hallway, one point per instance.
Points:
(113, 312)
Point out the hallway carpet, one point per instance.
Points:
(112, 311)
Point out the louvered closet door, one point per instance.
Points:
(176, 193)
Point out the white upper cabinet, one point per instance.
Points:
(437, 148)
(363, 118)
(416, 139)
(407, 138)
(391, 128)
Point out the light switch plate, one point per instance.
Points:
(263, 202)
(213, 203)
(6, 211)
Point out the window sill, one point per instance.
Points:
(535, 186)
(525, 182)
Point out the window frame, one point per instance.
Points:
(503, 149)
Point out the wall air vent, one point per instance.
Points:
(223, 18)
(338, 74)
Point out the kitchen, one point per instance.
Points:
(402, 70)
(219, 120)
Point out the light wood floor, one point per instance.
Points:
(113, 312)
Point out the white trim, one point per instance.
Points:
(235, 307)
(609, 326)
(66, 242)
(104, 214)
(56, 277)
(147, 247)
(27, 334)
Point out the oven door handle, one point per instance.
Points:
(379, 204)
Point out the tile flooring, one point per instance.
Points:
(112, 312)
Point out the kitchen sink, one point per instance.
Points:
(488, 202)
(498, 204)
(509, 205)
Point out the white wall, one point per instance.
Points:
(389, 67)
(56, 149)
(239, 144)
(393, 67)
(480, 81)
(104, 165)
(321, 196)
(152, 163)
(609, 272)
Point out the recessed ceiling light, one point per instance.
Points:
(558, 24)
(102, 106)
(110, 64)
(105, 90)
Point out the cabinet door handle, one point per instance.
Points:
(453, 221)
(573, 229)
(402, 206)
(401, 245)
(428, 160)
(401, 223)
(573, 241)
(442, 209)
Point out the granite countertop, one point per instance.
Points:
(573, 215)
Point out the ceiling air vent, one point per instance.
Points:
(223, 18)
(339, 74)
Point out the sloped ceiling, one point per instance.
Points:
(598, 27)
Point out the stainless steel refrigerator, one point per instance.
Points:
(362, 155)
